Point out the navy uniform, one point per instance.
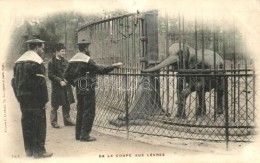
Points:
(30, 89)
(81, 73)
(60, 95)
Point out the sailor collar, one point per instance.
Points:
(30, 56)
(80, 57)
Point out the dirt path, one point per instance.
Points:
(111, 146)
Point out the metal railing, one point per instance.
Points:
(116, 93)
(130, 101)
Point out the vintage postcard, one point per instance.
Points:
(129, 81)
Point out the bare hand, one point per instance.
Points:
(62, 83)
(118, 64)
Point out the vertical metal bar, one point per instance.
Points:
(122, 43)
(246, 85)
(203, 67)
(224, 50)
(140, 44)
(126, 106)
(254, 94)
(167, 69)
(202, 41)
(173, 90)
(184, 61)
(137, 44)
(143, 34)
(226, 111)
(104, 45)
(225, 85)
(238, 98)
(119, 41)
(118, 51)
(127, 44)
(108, 43)
(179, 16)
(232, 87)
(235, 62)
(196, 61)
(112, 40)
(166, 34)
(133, 44)
(132, 55)
(215, 68)
(196, 43)
(183, 41)
(100, 43)
(179, 80)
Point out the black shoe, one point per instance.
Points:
(29, 154)
(69, 123)
(43, 155)
(89, 139)
(56, 126)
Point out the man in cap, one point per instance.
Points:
(61, 91)
(81, 73)
(30, 89)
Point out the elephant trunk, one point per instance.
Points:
(166, 62)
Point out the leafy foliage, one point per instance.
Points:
(53, 29)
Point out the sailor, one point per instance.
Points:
(29, 85)
(81, 73)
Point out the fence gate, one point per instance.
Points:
(199, 83)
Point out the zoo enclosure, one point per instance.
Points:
(131, 101)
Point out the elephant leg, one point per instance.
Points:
(182, 103)
(180, 99)
(220, 96)
(201, 109)
(180, 85)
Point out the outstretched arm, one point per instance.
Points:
(102, 69)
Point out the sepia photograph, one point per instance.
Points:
(129, 81)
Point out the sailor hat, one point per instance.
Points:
(82, 42)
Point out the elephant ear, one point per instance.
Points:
(193, 62)
(190, 57)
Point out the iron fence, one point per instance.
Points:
(114, 110)
(213, 101)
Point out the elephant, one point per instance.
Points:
(185, 58)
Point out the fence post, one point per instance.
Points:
(151, 37)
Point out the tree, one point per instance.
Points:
(53, 29)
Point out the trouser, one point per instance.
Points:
(85, 115)
(34, 128)
(65, 113)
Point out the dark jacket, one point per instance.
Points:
(29, 79)
(60, 95)
(81, 73)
